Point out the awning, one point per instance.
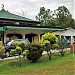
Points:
(32, 28)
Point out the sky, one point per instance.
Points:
(30, 8)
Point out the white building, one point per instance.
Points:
(68, 33)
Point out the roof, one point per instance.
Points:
(31, 28)
(9, 16)
(1, 29)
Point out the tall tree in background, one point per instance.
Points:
(63, 17)
(60, 18)
(45, 17)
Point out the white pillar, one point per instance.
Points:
(32, 39)
(72, 40)
(60, 34)
(64, 37)
(23, 36)
(4, 38)
(39, 37)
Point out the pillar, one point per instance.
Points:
(23, 36)
(72, 39)
(60, 35)
(4, 38)
(39, 37)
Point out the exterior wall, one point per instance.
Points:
(23, 32)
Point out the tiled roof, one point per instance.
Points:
(7, 15)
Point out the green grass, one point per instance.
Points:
(56, 66)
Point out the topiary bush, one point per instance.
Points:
(13, 52)
(22, 45)
(2, 51)
(35, 52)
(18, 50)
(25, 52)
(49, 41)
(15, 43)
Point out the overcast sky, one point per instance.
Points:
(31, 7)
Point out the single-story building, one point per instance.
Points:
(17, 27)
(68, 33)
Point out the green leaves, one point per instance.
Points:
(61, 17)
(2, 51)
(49, 38)
(13, 52)
(25, 52)
(44, 16)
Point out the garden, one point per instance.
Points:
(32, 61)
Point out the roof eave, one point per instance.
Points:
(20, 20)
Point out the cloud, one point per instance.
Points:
(31, 7)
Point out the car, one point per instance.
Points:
(8, 45)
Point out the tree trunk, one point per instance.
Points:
(50, 55)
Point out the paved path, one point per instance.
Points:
(9, 58)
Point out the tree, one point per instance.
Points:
(49, 41)
(19, 50)
(62, 45)
(63, 17)
(45, 17)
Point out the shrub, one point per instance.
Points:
(15, 43)
(13, 52)
(25, 52)
(18, 50)
(22, 45)
(55, 46)
(34, 56)
(62, 46)
(49, 41)
(2, 51)
(35, 52)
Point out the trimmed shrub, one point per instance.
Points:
(15, 43)
(49, 41)
(2, 51)
(33, 56)
(25, 52)
(13, 52)
(35, 52)
(22, 45)
(18, 50)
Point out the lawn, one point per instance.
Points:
(56, 66)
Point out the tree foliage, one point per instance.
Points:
(45, 17)
(49, 41)
(61, 17)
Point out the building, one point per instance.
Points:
(17, 27)
(68, 33)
